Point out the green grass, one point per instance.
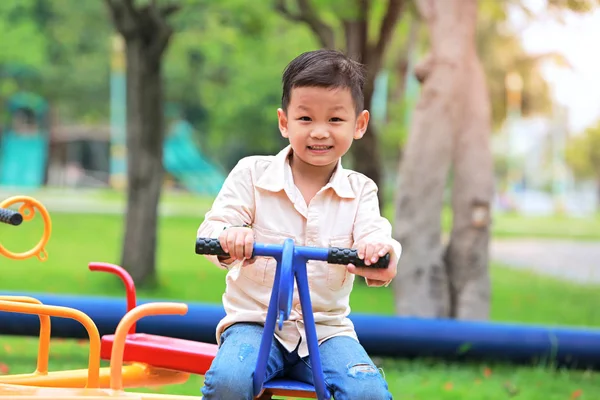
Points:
(77, 239)
(513, 225)
(505, 225)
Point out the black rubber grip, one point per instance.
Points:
(10, 217)
(339, 255)
(336, 255)
(209, 246)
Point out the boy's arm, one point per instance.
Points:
(233, 206)
(370, 226)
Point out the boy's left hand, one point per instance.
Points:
(370, 253)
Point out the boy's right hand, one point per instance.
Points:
(238, 242)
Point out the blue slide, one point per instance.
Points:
(23, 159)
(187, 164)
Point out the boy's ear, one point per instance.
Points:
(362, 121)
(283, 122)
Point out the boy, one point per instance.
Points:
(305, 194)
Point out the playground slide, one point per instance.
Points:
(187, 164)
(23, 159)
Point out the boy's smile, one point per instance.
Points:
(321, 124)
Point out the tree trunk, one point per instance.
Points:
(422, 287)
(146, 35)
(467, 252)
(365, 152)
(145, 134)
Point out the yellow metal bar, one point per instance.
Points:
(44, 345)
(135, 375)
(65, 312)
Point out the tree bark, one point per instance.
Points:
(365, 153)
(145, 128)
(442, 115)
(146, 35)
(472, 192)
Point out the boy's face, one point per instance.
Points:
(321, 124)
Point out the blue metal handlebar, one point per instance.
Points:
(291, 262)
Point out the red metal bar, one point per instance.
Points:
(125, 278)
(164, 352)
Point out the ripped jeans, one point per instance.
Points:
(349, 372)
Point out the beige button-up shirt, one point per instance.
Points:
(260, 191)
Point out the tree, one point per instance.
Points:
(241, 48)
(451, 127)
(356, 22)
(583, 155)
(501, 51)
(146, 33)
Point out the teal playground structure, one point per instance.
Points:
(186, 162)
(24, 148)
(24, 144)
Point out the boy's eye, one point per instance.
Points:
(304, 118)
(336, 119)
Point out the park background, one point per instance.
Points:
(64, 128)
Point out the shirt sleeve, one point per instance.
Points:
(370, 225)
(233, 206)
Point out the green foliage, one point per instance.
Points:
(223, 66)
(23, 42)
(501, 52)
(58, 51)
(77, 77)
(233, 67)
(579, 6)
(583, 153)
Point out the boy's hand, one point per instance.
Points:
(370, 253)
(238, 242)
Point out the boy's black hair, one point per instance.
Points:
(327, 69)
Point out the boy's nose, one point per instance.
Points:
(319, 133)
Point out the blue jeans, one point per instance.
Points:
(349, 372)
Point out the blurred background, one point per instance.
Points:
(63, 100)
(66, 134)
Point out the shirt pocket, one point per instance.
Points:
(337, 275)
(261, 270)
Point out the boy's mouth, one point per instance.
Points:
(320, 148)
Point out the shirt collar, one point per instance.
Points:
(274, 176)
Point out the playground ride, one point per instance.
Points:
(26, 212)
(291, 266)
(159, 356)
(84, 383)
(160, 351)
(153, 359)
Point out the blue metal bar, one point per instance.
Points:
(310, 329)
(275, 250)
(291, 263)
(313, 253)
(266, 341)
(286, 281)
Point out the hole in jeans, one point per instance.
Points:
(245, 351)
(362, 370)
